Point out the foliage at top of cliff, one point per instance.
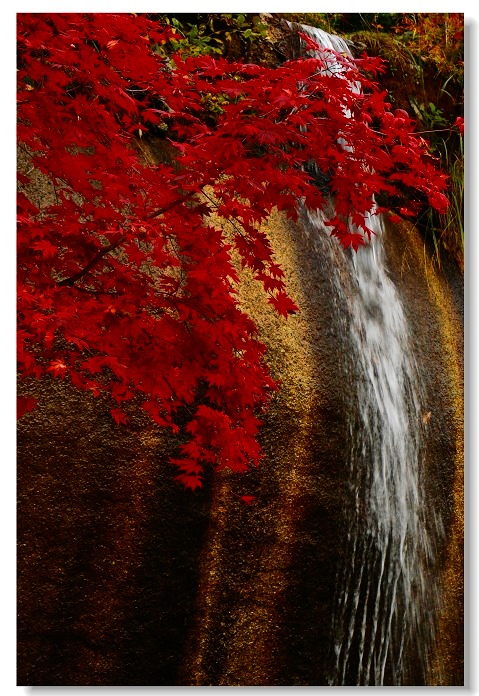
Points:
(424, 54)
(433, 38)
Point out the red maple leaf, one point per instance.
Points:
(283, 304)
(248, 499)
(459, 122)
(58, 368)
(48, 250)
(119, 416)
(25, 404)
(190, 481)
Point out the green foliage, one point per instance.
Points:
(429, 116)
(330, 22)
(347, 22)
(246, 27)
(212, 34)
(196, 40)
(453, 222)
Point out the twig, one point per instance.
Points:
(166, 208)
(437, 130)
(93, 262)
(111, 247)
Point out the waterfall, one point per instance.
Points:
(387, 597)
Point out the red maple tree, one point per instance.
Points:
(124, 286)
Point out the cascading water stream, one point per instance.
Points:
(387, 598)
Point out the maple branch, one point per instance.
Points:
(111, 247)
(234, 223)
(106, 250)
(166, 208)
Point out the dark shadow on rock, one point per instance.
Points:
(108, 547)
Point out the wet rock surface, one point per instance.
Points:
(125, 579)
(434, 299)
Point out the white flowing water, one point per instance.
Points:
(387, 597)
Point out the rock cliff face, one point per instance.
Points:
(435, 303)
(124, 579)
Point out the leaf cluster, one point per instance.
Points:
(124, 286)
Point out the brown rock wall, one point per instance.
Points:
(125, 579)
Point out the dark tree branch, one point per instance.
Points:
(111, 247)
(166, 208)
(106, 250)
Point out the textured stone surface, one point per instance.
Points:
(435, 302)
(125, 579)
(107, 545)
(269, 570)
